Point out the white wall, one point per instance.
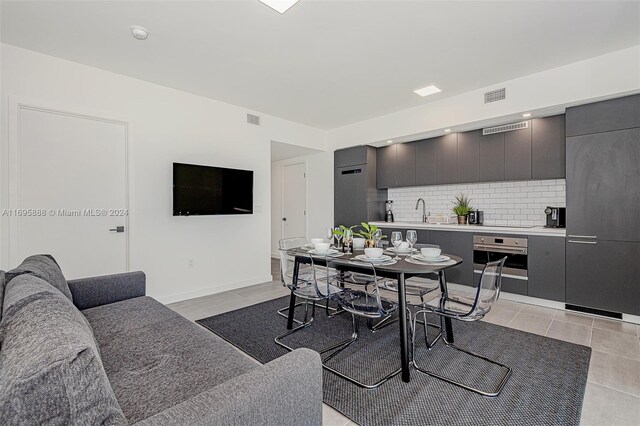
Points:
(168, 125)
(319, 195)
(549, 92)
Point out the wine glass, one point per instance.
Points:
(377, 236)
(338, 236)
(348, 237)
(412, 237)
(396, 240)
(329, 235)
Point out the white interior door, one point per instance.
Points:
(294, 201)
(70, 188)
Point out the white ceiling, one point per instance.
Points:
(324, 63)
(284, 151)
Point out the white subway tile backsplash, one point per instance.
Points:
(504, 203)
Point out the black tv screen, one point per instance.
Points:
(204, 190)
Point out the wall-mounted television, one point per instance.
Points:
(205, 190)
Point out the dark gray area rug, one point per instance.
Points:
(546, 388)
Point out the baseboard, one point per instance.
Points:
(220, 288)
(532, 300)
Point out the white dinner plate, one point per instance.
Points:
(364, 258)
(421, 258)
(329, 252)
(407, 251)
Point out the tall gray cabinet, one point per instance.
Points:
(603, 205)
(355, 197)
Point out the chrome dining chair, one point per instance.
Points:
(466, 306)
(361, 304)
(315, 288)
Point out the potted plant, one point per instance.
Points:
(346, 234)
(461, 208)
(370, 233)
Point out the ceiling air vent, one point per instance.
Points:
(505, 128)
(253, 119)
(495, 95)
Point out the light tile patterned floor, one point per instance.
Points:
(613, 389)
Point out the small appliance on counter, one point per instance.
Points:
(556, 217)
(475, 217)
(388, 217)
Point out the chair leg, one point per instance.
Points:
(502, 380)
(282, 311)
(351, 379)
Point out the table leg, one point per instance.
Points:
(292, 301)
(447, 321)
(404, 341)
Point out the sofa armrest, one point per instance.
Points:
(96, 291)
(286, 391)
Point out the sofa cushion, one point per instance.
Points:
(50, 370)
(42, 266)
(156, 359)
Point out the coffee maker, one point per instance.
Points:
(556, 217)
(389, 215)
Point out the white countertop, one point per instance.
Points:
(486, 229)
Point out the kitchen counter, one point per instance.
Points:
(478, 229)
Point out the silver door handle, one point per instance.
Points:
(583, 242)
(117, 229)
(583, 236)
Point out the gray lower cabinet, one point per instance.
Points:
(605, 116)
(423, 234)
(491, 155)
(426, 162)
(469, 157)
(517, 154)
(458, 244)
(604, 275)
(386, 167)
(546, 265)
(447, 150)
(548, 147)
(603, 177)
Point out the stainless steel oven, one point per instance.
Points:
(487, 248)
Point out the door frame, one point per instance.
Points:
(294, 162)
(9, 191)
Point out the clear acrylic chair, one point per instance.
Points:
(315, 288)
(466, 306)
(368, 305)
(286, 269)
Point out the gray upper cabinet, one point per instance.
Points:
(605, 116)
(386, 167)
(447, 152)
(469, 157)
(405, 164)
(350, 156)
(517, 154)
(548, 147)
(603, 177)
(491, 154)
(426, 162)
(546, 268)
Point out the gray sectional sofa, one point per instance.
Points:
(98, 351)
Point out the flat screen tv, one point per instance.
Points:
(204, 190)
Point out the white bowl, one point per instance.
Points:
(358, 243)
(430, 252)
(317, 240)
(374, 253)
(321, 247)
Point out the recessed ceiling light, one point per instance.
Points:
(447, 130)
(526, 114)
(389, 141)
(139, 33)
(426, 91)
(280, 5)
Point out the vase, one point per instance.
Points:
(462, 220)
(370, 243)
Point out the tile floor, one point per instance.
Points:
(613, 385)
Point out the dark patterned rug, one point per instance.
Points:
(546, 388)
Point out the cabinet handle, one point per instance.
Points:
(583, 242)
(583, 236)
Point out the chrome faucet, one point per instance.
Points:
(424, 209)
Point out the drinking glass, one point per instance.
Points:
(377, 236)
(412, 237)
(396, 240)
(329, 235)
(348, 237)
(338, 237)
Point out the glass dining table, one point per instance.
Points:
(400, 270)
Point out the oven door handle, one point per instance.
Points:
(500, 249)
